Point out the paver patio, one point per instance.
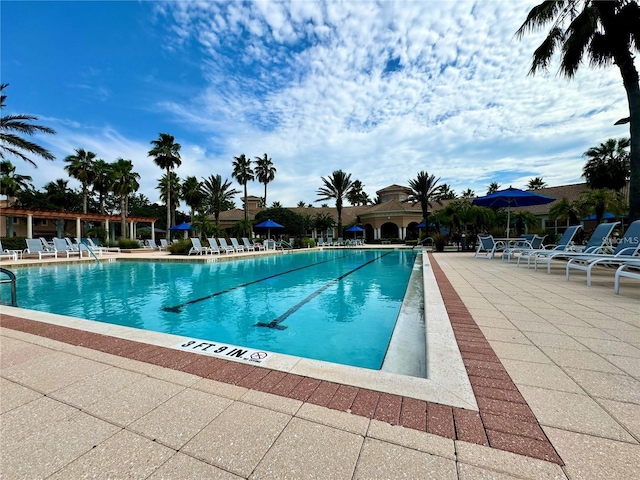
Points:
(555, 367)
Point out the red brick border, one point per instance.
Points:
(504, 421)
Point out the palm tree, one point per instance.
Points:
(192, 194)
(102, 180)
(468, 193)
(276, 205)
(354, 195)
(536, 183)
(606, 32)
(301, 204)
(565, 210)
(217, 194)
(11, 183)
(166, 154)
(446, 193)
(336, 186)
(265, 172)
(608, 165)
(60, 196)
(12, 126)
(424, 188)
(125, 182)
(599, 202)
(80, 167)
(165, 187)
(243, 173)
(493, 188)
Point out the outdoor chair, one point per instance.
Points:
(4, 253)
(225, 246)
(61, 246)
(163, 244)
(629, 269)
(527, 243)
(247, 245)
(487, 247)
(213, 246)
(34, 246)
(598, 240)
(627, 248)
(236, 246)
(339, 242)
(152, 244)
(197, 248)
(48, 246)
(565, 243)
(95, 247)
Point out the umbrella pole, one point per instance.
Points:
(508, 220)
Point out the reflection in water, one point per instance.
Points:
(349, 320)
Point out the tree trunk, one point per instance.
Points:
(265, 195)
(85, 194)
(168, 204)
(245, 202)
(123, 217)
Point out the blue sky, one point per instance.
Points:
(381, 90)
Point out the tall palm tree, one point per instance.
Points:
(608, 165)
(80, 167)
(192, 194)
(446, 193)
(599, 202)
(166, 187)
(336, 186)
(265, 172)
(493, 188)
(565, 210)
(354, 195)
(11, 183)
(60, 196)
(125, 182)
(243, 173)
(424, 189)
(468, 193)
(536, 183)
(166, 154)
(607, 33)
(102, 180)
(12, 126)
(217, 194)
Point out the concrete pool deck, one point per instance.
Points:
(555, 367)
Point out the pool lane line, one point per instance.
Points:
(178, 308)
(275, 323)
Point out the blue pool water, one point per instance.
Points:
(337, 305)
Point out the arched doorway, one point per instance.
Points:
(413, 232)
(388, 230)
(369, 234)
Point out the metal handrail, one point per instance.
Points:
(12, 280)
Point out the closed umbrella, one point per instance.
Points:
(512, 197)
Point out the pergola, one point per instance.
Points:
(72, 216)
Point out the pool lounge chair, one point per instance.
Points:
(197, 248)
(236, 246)
(629, 269)
(99, 248)
(62, 247)
(163, 244)
(628, 248)
(487, 247)
(247, 245)
(527, 243)
(565, 243)
(320, 242)
(35, 246)
(225, 246)
(339, 242)
(213, 246)
(596, 244)
(48, 246)
(11, 254)
(152, 244)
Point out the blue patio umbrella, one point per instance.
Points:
(355, 229)
(269, 224)
(606, 216)
(512, 197)
(181, 227)
(421, 225)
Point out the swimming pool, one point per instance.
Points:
(335, 305)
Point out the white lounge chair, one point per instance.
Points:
(628, 248)
(247, 245)
(152, 244)
(197, 247)
(225, 246)
(564, 244)
(236, 246)
(339, 242)
(528, 243)
(99, 248)
(213, 246)
(487, 247)
(11, 254)
(34, 246)
(320, 242)
(62, 247)
(597, 242)
(48, 246)
(629, 269)
(163, 244)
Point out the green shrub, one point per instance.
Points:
(305, 243)
(14, 243)
(128, 243)
(440, 241)
(181, 247)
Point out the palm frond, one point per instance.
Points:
(540, 15)
(542, 55)
(17, 123)
(11, 143)
(578, 36)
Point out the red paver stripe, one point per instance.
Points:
(388, 409)
(287, 384)
(469, 426)
(365, 403)
(440, 420)
(304, 389)
(343, 398)
(323, 394)
(414, 414)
